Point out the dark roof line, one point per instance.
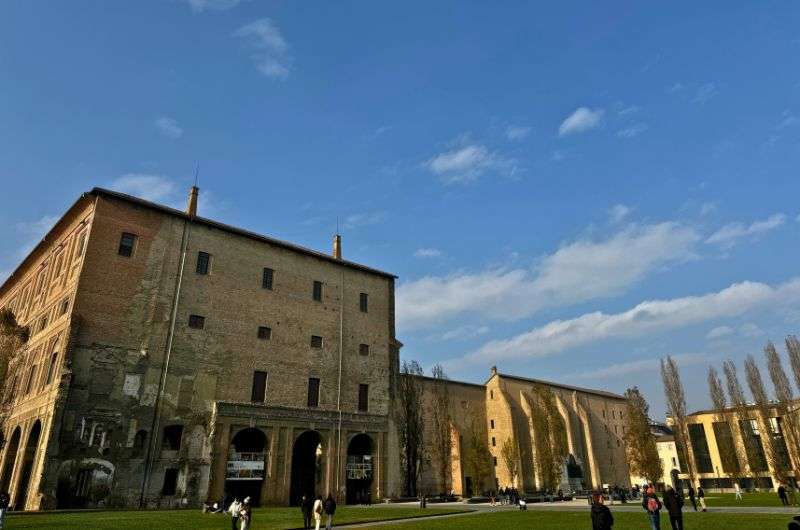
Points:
(603, 393)
(453, 381)
(237, 231)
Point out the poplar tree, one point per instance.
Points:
(510, 454)
(676, 402)
(771, 448)
(411, 424)
(640, 445)
(793, 348)
(550, 437)
(785, 401)
(729, 451)
(12, 339)
(738, 401)
(442, 445)
(478, 459)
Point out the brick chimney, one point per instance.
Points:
(337, 246)
(494, 370)
(191, 207)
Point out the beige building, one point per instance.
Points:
(667, 453)
(173, 359)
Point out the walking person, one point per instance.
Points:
(782, 494)
(234, 511)
(673, 502)
(317, 510)
(601, 515)
(691, 497)
(4, 501)
(790, 491)
(701, 496)
(330, 509)
(245, 514)
(738, 491)
(652, 506)
(305, 507)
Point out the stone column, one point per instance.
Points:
(219, 460)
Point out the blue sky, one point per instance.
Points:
(569, 192)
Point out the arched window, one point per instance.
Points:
(52, 368)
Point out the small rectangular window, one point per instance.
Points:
(259, 387)
(313, 392)
(126, 243)
(363, 349)
(170, 482)
(64, 307)
(266, 278)
(494, 442)
(317, 291)
(363, 302)
(172, 437)
(80, 246)
(363, 398)
(491, 423)
(197, 322)
(203, 262)
(264, 333)
(494, 461)
(316, 341)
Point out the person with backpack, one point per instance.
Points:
(652, 506)
(330, 509)
(691, 497)
(317, 510)
(701, 496)
(673, 502)
(601, 515)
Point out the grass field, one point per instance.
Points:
(263, 518)
(552, 520)
(748, 499)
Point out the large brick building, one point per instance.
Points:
(173, 358)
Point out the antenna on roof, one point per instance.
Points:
(337, 224)
(196, 173)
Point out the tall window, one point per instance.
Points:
(203, 262)
(52, 368)
(197, 322)
(170, 481)
(313, 392)
(266, 278)
(363, 302)
(31, 375)
(259, 387)
(317, 292)
(316, 341)
(264, 333)
(172, 437)
(126, 244)
(80, 246)
(363, 398)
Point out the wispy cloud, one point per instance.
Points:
(517, 132)
(675, 87)
(199, 6)
(169, 127)
(156, 188)
(719, 332)
(630, 109)
(618, 213)
(732, 233)
(642, 366)
(707, 208)
(633, 130)
(464, 333)
(33, 231)
(788, 119)
(466, 163)
(269, 50)
(427, 253)
(704, 93)
(559, 279)
(357, 220)
(581, 120)
(646, 318)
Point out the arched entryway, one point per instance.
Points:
(28, 457)
(11, 459)
(359, 470)
(247, 457)
(307, 455)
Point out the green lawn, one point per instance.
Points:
(558, 520)
(263, 518)
(748, 499)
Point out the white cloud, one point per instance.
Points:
(464, 333)
(675, 87)
(581, 120)
(730, 234)
(646, 318)
(169, 127)
(559, 279)
(428, 253)
(705, 93)
(155, 188)
(634, 130)
(628, 110)
(641, 366)
(466, 163)
(33, 232)
(719, 332)
(199, 6)
(364, 219)
(750, 330)
(618, 213)
(517, 132)
(787, 120)
(270, 52)
(708, 208)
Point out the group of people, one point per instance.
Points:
(316, 509)
(241, 514)
(671, 500)
(506, 496)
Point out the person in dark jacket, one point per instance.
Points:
(701, 496)
(782, 494)
(601, 515)
(652, 506)
(691, 498)
(305, 507)
(330, 509)
(673, 502)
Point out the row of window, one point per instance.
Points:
(265, 333)
(259, 392)
(127, 244)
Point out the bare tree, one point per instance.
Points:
(411, 424)
(640, 445)
(724, 428)
(13, 338)
(772, 450)
(755, 457)
(676, 402)
(785, 401)
(550, 437)
(793, 347)
(442, 445)
(510, 454)
(477, 457)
